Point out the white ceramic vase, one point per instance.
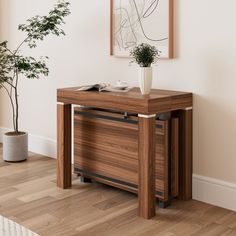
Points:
(145, 80)
(15, 147)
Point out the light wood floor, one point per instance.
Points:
(29, 196)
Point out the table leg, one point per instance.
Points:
(64, 145)
(185, 154)
(146, 182)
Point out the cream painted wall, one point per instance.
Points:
(205, 50)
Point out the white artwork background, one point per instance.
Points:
(140, 21)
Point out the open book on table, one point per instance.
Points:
(105, 88)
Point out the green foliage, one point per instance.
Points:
(144, 55)
(13, 63)
(31, 68)
(38, 27)
(6, 64)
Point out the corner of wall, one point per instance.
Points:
(215, 192)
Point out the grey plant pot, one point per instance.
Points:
(15, 147)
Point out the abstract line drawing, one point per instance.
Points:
(141, 21)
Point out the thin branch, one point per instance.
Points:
(21, 45)
(9, 50)
(10, 84)
(12, 104)
(17, 77)
(14, 75)
(17, 104)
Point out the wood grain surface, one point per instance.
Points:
(186, 154)
(174, 173)
(64, 146)
(109, 149)
(146, 170)
(158, 101)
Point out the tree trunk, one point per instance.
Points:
(17, 111)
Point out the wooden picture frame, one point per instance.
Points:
(166, 6)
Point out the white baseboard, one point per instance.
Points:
(213, 191)
(37, 144)
(43, 146)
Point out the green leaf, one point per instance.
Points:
(145, 55)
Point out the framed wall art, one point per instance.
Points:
(141, 21)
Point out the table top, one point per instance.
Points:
(133, 101)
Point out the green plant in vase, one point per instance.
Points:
(14, 65)
(145, 56)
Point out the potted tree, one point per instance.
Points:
(145, 55)
(13, 65)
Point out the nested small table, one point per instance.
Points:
(147, 107)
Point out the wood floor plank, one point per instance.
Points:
(212, 229)
(29, 196)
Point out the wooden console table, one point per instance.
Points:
(147, 107)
